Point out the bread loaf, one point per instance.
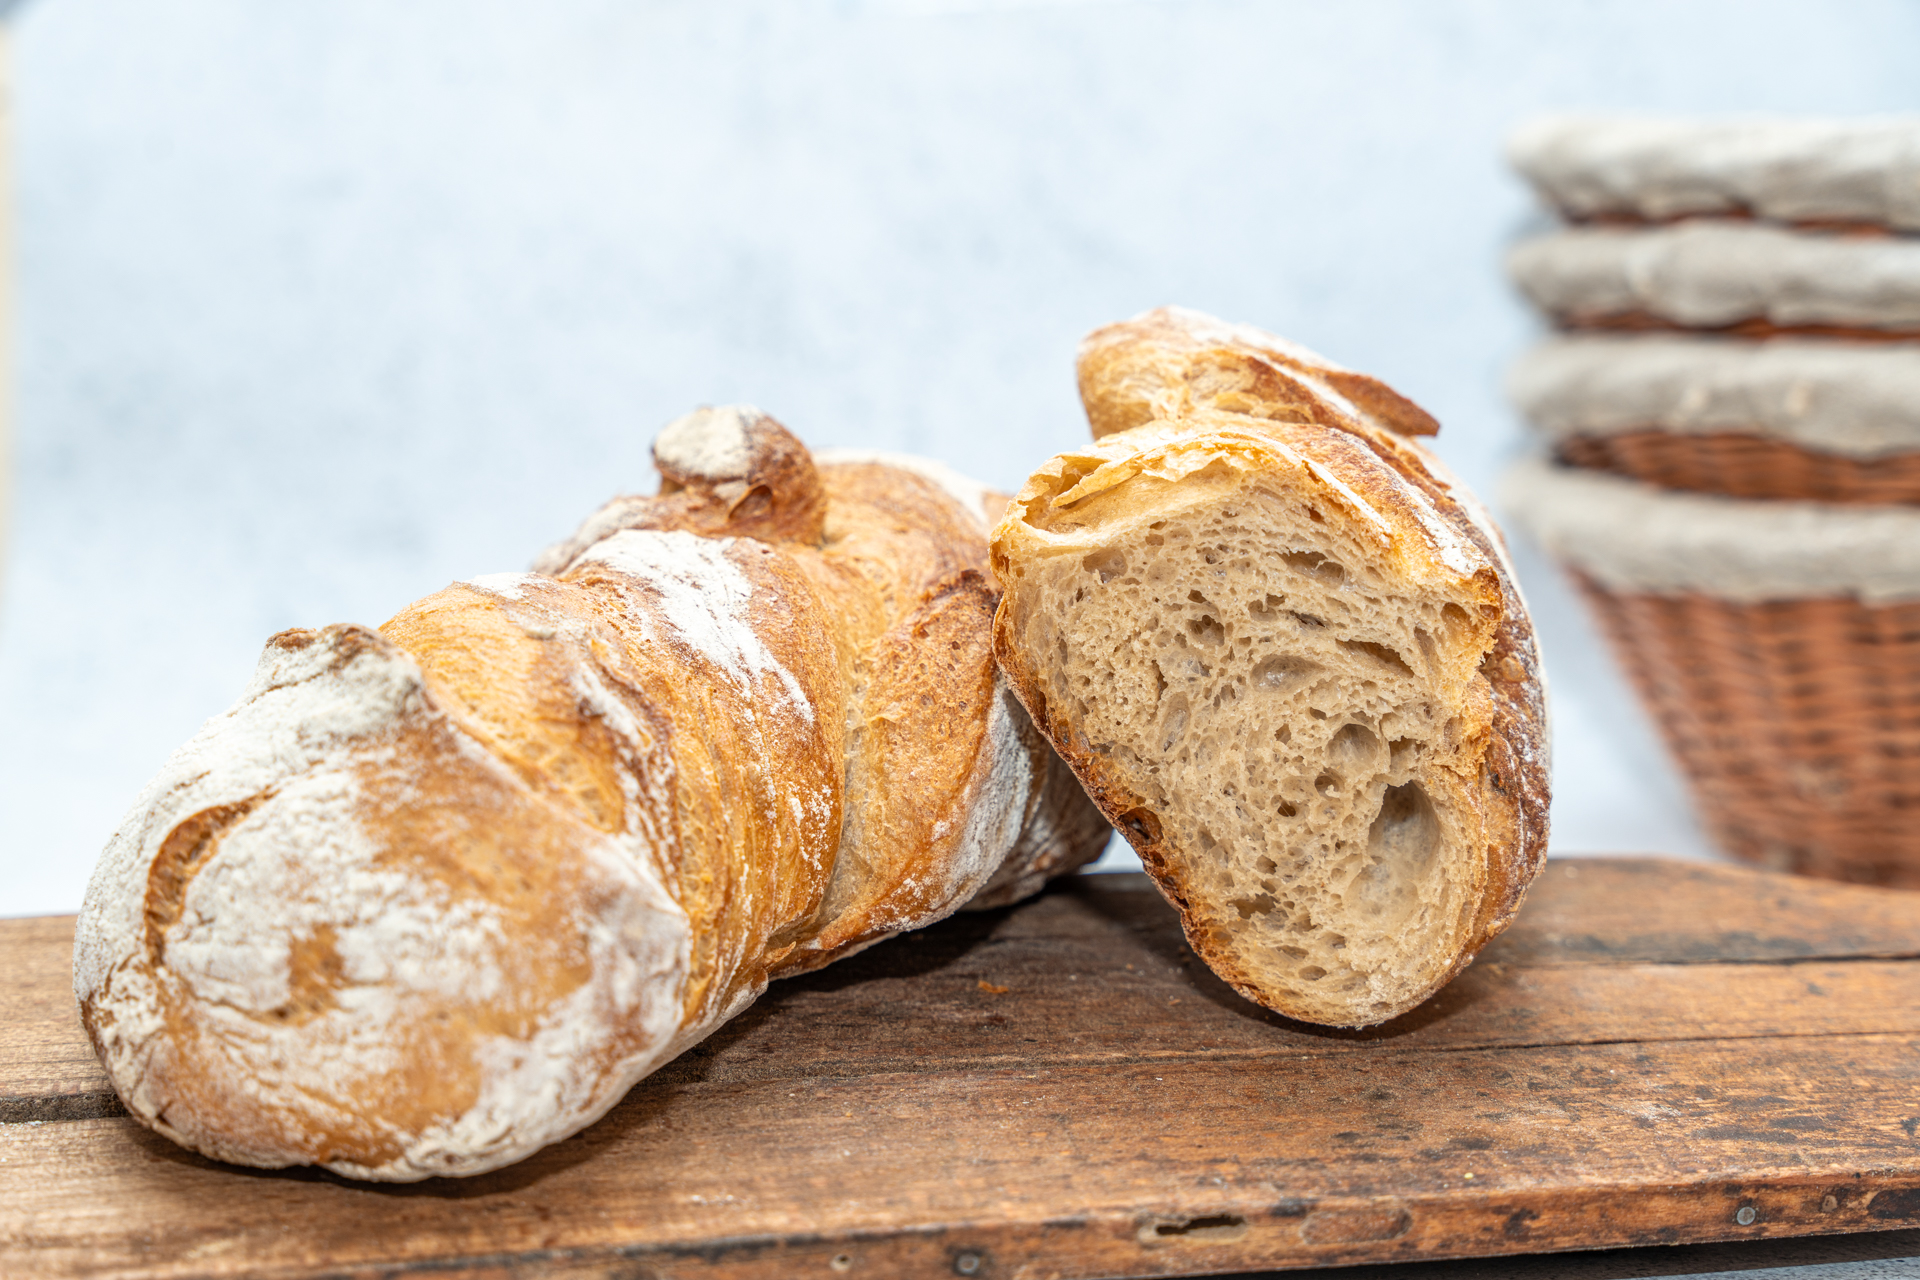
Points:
(433, 896)
(1284, 652)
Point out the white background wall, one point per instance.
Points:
(325, 304)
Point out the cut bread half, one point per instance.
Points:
(1288, 662)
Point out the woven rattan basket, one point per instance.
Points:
(1797, 722)
(1746, 466)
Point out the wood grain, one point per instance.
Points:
(1060, 1089)
(47, 1068)
(1618, 910)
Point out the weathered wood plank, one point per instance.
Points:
(1098, 972)
(945, 1022)
(1080, 1171)
(1621, 910)
(1062, 1089)
(43, 1050)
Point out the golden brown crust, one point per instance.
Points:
(897, 566)
(214, 1044)
(1205, 385)
(1162, 363)
(741, 728)
(759, 482)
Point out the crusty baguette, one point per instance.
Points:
(433, 896)
(1285, 653)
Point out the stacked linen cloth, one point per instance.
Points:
(1730, 421)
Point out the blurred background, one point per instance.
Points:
(319, 306)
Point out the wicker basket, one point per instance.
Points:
(1798, 723)
(1747, 466)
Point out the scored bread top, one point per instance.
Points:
(1162, 362)
(336, 929)
(1234, 419)
(434, 896)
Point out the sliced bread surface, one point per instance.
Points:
(1297, 679)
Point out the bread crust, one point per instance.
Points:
(433, 896)
(1154, 366)
(1173, 380)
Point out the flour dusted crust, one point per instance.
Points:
(1861, 171)
(431, 897)
(1284, 652)
(1636, 539)
(290, 953)
(1720, 275)
(1860, 400)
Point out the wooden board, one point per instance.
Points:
(1656, 1053)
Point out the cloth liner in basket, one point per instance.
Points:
(1805, 419)
(1858, 171)
(1777, 645)
(1746, 278)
